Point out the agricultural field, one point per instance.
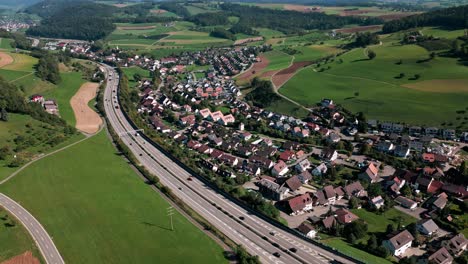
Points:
(277, 60)
(14, 239)
(384, 88)
(98, 196)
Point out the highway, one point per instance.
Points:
(258, 236)
(37, 231)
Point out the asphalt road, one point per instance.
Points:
(252, 232)
(40, 236)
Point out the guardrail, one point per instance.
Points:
(227, 195)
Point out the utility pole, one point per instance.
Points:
(170, 213)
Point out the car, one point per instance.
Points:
(265, 238)
(275, 244)
(180, 188)
(141, 154)
(189, 178)
(116, 107)
(136, 134)
(276, 254)
(241, 218)
(272, 233)
(294, 250)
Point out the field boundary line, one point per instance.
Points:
(24, 76)
(46, 155)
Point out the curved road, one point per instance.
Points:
(259, 237)
(37, 231)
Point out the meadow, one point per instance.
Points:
(14, 240)
(387, 88)
(108, 214)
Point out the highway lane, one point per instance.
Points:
(171, 173)
(37, 231)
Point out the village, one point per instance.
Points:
(317, 171)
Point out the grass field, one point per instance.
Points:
(378, 223)
(285, 107)
(71, 83)
(277, 60)
(347, 249)
(381, 93)
(5, 44)
(14, 240)
(131, 71)
(106, 212)
(21, 62)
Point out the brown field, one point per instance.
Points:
(87, 120)
(5, 59)
(247, 40)
(25, 258)
(284, 75)
(301, 8)
(256, 69)
(440, 86)
(136, 28)
(158, 11)
(359, 29)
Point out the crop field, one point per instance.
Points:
(379, 87)
(107, 212)
(21, 62)
(14, 240)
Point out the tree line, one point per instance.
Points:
(452, 18)
(262, 94)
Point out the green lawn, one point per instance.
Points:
(131, 71)
(5, 44)
(71, 83)
(98, 211)
(347, 249)
(285, 107)
(14, 240)
(372, 86)
(378, 223)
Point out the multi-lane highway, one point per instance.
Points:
(259, 237)
(40, 236)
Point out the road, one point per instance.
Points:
(237, 223)
(37, 231)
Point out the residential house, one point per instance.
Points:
(227, 119)
(405, 202)
(385, 146)
(330, 194)
(448, 133)
(398, 244)
(438, 202)
(304, 177)
(204, 113)
(333, 138)
(339, 193)
(188, 120)
(377, 202)
(320, 170)
(287, 155)
(229, 160)
(441, 256)
(300, 204)
(402, 151)
(272, 190)
(456, 245)
(329, 222)
(293, 183)
(280, 169)
(431, 131)
(344, 216)
(329, 154)
(307, 230)
(303, 165)
(354, 189)
(371, 174)
(427, 227)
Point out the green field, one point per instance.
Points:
(98, 211)
(277, 60)
(5, 44)
(285, 107)
(349, 250)
(71, 83)
(373, 86)
(131, 71)
(379, 222)
(14, 240)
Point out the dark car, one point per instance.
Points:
(276, 254)
(189, 178)
(272, 233)
(275, 244)
(241, 218)
(294, 250)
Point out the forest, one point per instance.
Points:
(450, 18)
(291, 21)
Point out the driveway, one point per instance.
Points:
(414, 213)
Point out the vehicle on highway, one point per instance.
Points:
(276, 254)
(272, 233)
(241, 218)
(116, 107)
(294, 250)
(180, 188)
(141, 154)
(275, 244)
(189, 178)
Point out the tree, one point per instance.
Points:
(390, 229)
(463, 169)
(406, 190)
(4, 114)
(371, 54)
(137, 77)
(383, 252)
(375, 189)
(354, 203)
(357, 228)
(372, 242)
(5, 151)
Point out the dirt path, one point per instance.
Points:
(5, 59)
(87, 120)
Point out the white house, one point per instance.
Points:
(307, 229)
(398, 244)
(303, 165)
(280, 169)
(320, 170)
(427, 227)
